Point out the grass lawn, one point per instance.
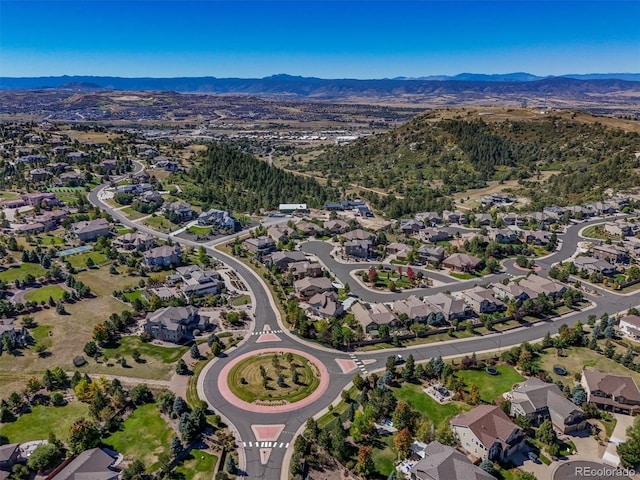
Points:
(595, 231)
(384, 455)
(242, 300)
(199, 230)
(49, 239)
(79, 260)
(132, 214)
(42, 420)
(24, 269)
(252, 388)
(144, 435)
(462, 276)
(426, 405)
(122, 230)
(491, 386)
(575, 359)
(198, 465)
(131, 296)
(159, 223)
(102, 282)
(156, 361)
(42, 294)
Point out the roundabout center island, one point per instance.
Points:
(273, 380)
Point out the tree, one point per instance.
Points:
(425, 431)
(176, 446)
(141, 394)
(474, 395)
(546, 434)
(444, 434)
(100, 333)
(83, 435)
(629, 451)
(487, 466)
(579, 396)
(408, 372)
(402, 441)
(134, 471)
(364, 464)
(373, 274)
(91, 349)
(403, 416)
(90, 263)
(358, 382)
(179, 406)
(44, 457)
(230, 465)
(181, 367)
(194, 352)
(20, 472)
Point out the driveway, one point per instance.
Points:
(618, 436)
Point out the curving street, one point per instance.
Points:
(265, 459)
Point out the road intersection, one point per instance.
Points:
(265, 435)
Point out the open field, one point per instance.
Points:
(19, 273)
(92, 137)
(575, 359)
(42, 420)
(426, 405)
(491, 386)
(79, 260)
(102, 282)
(595, 231)
(156, 362)
(245, 380)
(132, 214)
(43, 294)
(159, 223)
(144, 435)
(64, 335)
(199, 465)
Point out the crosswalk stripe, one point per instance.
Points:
(287, 445)
(281, 444)
(244, 444)
(250, 444)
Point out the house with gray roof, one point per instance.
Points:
(259, 245)
(196, 282)
(163, 256)
(94, 464)
(538, 401)
(451, 307)
(173, 324)
(8, 456)
(442, 462)
(419, 311)
(307, 287)
(281, 260)
(90, 230)
(431, 253)
(134, 241)
(372, 318)
(326, 305)
(594, 265)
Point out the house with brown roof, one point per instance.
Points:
(372, 318)
(611, 253)
(488, 432)
(400, 250)
(163, 256)
(307, 287)
(358, 234)
(482, 300)
(630, 326)
(299, 270)
(134, 241)
(540, 285)
(451, 307)
(259, 245)
(616, 393)
(89, 230)
(326, 305)
(419, 311)
(461, 262)
(336, 227)
(442, 462)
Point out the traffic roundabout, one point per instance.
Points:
(273, 380)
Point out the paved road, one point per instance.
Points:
(265, 315)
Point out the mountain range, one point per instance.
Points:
(311, 87)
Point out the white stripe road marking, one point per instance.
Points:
(281, 444)
(250, 444)
(287, 445)
(244, 444)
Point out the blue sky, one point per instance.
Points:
(329, 39)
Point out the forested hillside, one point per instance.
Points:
(229, 178)
(429, 156)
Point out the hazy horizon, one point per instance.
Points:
(331, 39)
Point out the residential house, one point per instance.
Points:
(218, 218)
(512, 291)
(594, 265)
(461, 262)
(281, 260)
(134, 241)
(611, 253)
(326, 305)
(419, 311)
(409, 226)
(42, 200)
(541, 285)
(455, 217)
(630, 326)
(336, 227)
(430, 254)
(511, 219)
(39, 174)
(431, 218)
(173, 324)
(442, 462)
(309, 229)
(554, 212)
(31, 228)
(163, 256)
(166, 164)
(94, 464)
(307, 287)
(259, 245)
(619, 229)
(483, 219)
(482, 300)
(178, 211)
(451, 307)
(75, 157)
(89, 230)
(488, 432)
(400, 250)
(52, 218)
(359, 234)
(537, 237)
(374, 317)
(152, 198)
(299, 270)
(71, 179)
(538, 401)
(281, 234)
(434, 235)
(539, 218)
(333, 206)
(9, 454)
(195, 281)
(616, 393)
(358, 248)
(503, 235)
(108, 166)
(600, 208)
